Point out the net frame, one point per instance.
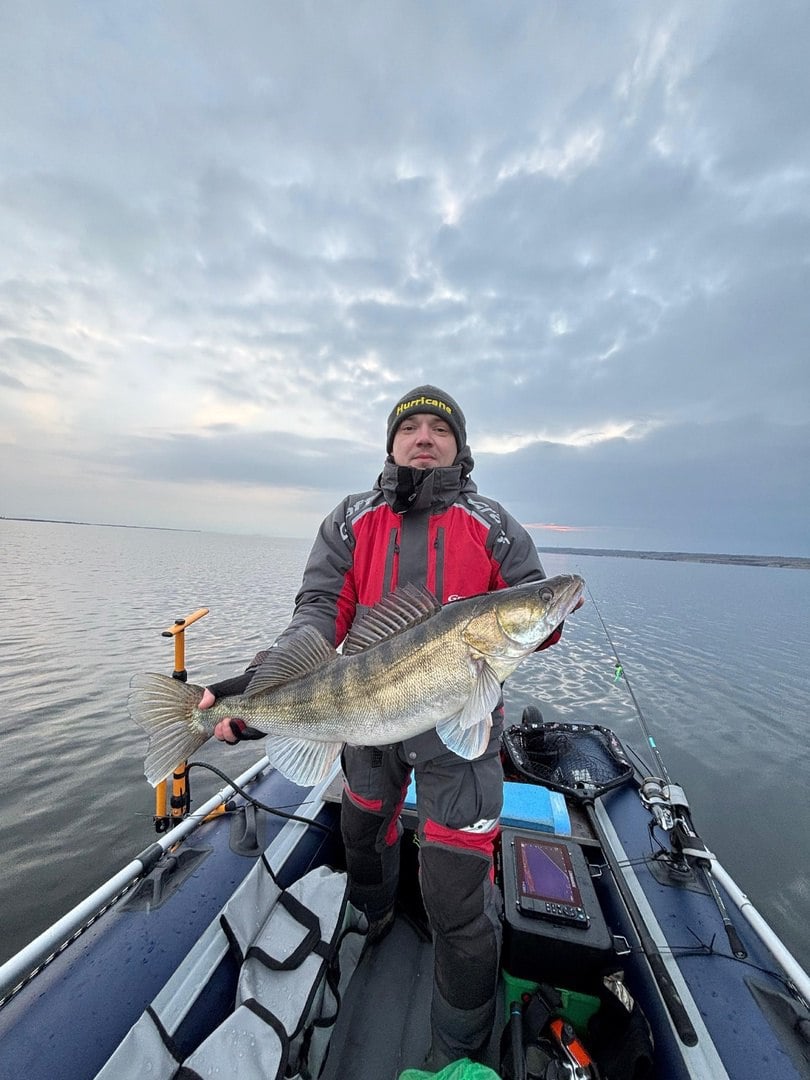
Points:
(583, 761)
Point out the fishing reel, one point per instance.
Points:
(669, 807)
(661, 799)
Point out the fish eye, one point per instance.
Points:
(546, 594)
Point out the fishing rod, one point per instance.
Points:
(668, 804)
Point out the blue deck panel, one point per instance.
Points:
(719, 983)
(524, 806)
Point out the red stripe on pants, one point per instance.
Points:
(481, 843)
(375, 805)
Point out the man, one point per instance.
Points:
(423, 522)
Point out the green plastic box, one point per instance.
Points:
(577, 1008)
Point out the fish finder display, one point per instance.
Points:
(546, 884)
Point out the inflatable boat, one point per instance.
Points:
(228, 947)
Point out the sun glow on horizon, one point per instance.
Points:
(553, 527)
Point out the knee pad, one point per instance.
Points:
(370, 830)
(456, 887)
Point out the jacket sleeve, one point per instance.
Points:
(327, 598)
(521, 563)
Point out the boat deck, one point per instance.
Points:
(384, 1022)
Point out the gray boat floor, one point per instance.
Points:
(383, 1025)
(384, 1021)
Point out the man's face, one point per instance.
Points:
(424, 441)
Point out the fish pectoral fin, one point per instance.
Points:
(467, 732)
(485, 696)
(304, 651)
(304, 761)
(468, 741)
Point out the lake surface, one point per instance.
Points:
(718, 657)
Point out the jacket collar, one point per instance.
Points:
(435, 490)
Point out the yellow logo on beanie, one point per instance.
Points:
(404, 406)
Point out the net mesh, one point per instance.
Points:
(580, 760)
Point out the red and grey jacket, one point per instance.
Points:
(428, 528)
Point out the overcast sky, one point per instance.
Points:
(232, 235)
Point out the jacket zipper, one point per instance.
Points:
(390, 555)
(438, 575)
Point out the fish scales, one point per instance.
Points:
(374, 693)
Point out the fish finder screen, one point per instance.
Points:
(544, 872)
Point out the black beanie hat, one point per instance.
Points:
(428, 399)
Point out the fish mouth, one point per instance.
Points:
(559, 594)
(570, 594)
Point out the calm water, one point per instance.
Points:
(718, 657)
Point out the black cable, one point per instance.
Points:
(249, 798)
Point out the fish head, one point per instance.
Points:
(531, 612)
(519, 619)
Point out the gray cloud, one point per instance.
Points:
(266, 459)
(231, 242)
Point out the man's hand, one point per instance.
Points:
(231, 729)
(555, 635)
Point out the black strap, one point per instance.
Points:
(272, 1021)
(165, 1037)
(310, 943)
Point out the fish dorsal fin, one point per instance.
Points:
(398, 611)
(303, 651)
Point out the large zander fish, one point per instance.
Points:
(407, 665)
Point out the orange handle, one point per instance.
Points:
(162, 803)
(566, 1036)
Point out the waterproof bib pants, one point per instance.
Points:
(458, 805)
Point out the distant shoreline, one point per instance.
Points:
(790, 562)
(781, 561)
(95, 524)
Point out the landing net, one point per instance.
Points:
(580, 760)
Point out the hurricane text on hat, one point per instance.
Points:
(428, 399)
(406, 406)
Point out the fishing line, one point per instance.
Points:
(245, 795)
(683, 819)
(621, 673)
(703, 949)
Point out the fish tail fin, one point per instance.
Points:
(164, 708)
